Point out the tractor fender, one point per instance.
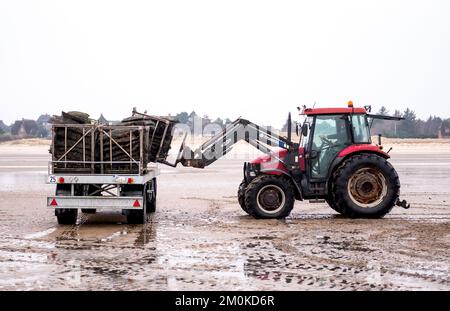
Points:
(297, 190)
(364, 148)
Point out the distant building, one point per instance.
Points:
(102, 119)
(45, 126)
(24, 128)
(43, 119)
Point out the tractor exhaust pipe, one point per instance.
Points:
(289, 127)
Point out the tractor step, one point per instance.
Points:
(317, 201)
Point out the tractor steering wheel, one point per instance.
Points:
(326, 143)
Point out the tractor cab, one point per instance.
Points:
(328, 133)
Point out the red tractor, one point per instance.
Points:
(334, 162)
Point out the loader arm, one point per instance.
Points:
(221, 143)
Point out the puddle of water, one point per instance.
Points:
(112, 236)
(17, 242)
(26, 180)
(22, 256)
(41, 234)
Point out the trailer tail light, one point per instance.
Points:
(60, 180)
(53, 203)
(136, 204)
(130, 180)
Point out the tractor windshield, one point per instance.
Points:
(361, 131)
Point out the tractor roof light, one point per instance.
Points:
(350, 104)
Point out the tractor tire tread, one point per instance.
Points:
(241, 195)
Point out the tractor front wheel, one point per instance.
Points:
(365, 186)
(241, 195)
(269, 196)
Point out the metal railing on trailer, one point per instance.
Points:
(90, 155)
(166, 126)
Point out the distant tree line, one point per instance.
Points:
(411, 127)
(197, 123)
(26, 128)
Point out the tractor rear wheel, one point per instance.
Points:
(241, 195)
(365, 186)
(332, 203)
(269, 196)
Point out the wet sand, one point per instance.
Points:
(200, 239)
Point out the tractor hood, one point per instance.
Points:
(265, 158)
(272, 164)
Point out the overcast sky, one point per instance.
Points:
(256, 59)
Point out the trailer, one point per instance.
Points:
(98, 166)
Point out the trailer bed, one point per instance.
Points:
(98, 166)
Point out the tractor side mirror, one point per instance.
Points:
(305, 129)
(296, 129)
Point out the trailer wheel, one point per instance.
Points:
(136, 216)
(269, 196)
(241, 195)
(65, 216)
(366, 186)
(151, 198)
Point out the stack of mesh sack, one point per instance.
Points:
(160, 134)
(114, 145)
(65, 136)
